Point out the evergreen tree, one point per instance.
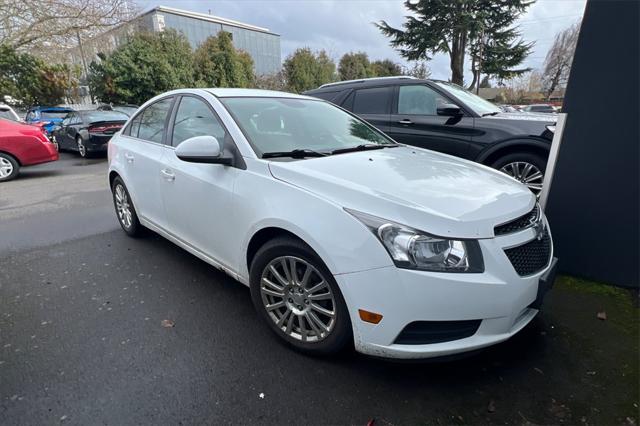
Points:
(304, 70)
(353, 66)
(147, 65)
(218, 64)
(460, 27)
(385, 68)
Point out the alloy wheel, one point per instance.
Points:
(123, 206)
(526, 173)
(6, 168)
(298, 299)
(81, 148)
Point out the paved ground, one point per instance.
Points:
(81, 340)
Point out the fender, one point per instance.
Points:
(533, 142)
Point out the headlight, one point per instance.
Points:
(413, 249)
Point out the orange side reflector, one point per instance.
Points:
(371, 317)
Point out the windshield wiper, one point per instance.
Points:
(296, 153)
(363, 147)
(490, 113)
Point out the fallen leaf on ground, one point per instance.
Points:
(167, 323)
(602, 315)
(492, 406)
(371, 422)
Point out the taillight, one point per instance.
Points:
(111, 128)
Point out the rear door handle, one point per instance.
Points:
(168, 175)
(405, 121)
(129, 157)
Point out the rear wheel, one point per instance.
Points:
(9, 167)
(82, 149)
(125, 210)
(297, 296)
(525, 167)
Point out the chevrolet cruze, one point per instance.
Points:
(343, 235)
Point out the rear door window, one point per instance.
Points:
(372, 101)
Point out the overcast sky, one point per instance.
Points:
(346, 25)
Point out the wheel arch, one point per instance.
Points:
(112, 176)
(12, 156)
(535, 146)
(262, 236)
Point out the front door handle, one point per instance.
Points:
(168, 175)
(128, 157)
(405, 121)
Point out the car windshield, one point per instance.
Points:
(285, 124)
(475, 102)
(95, 116)
(47, 115)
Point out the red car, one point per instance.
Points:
(22, 145)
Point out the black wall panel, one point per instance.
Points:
(593, 204)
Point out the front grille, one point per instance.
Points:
(426, 332)
(520, 223)
(531, 257)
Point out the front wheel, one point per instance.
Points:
(297, 296)
(525, 167)
(126, 212)
(9, 167)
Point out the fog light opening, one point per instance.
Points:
(370, 317)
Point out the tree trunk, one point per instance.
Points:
(458, 46)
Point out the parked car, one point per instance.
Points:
(88, 132)
(8, 113)
(541, 108)
(444, 117)
(341, 234)
(508, 108)
(47, 117)
(22, 145)
(126, 108)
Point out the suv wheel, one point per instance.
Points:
(526, 167)
(294, 292)
(9, 167)
(125, 210)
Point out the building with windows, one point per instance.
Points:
(262, 44)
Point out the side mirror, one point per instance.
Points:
(449, 110)
(202, 149)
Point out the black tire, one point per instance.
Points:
(340, 335)
(13, 163)
(536, 160)
(80, 145)
(135, 228)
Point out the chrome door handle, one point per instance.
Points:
(168, 175)
(405, 121)
(128, 157)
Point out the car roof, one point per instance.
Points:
(252, 93)
(52, 109)
(368, 82)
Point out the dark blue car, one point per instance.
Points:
(47, 117)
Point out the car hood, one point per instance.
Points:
(525, 116)
(433, 192)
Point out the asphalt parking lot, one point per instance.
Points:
(84, 338)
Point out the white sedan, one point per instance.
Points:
(344, 236)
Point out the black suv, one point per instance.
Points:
(444, 117)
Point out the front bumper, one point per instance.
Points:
(504, 302)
